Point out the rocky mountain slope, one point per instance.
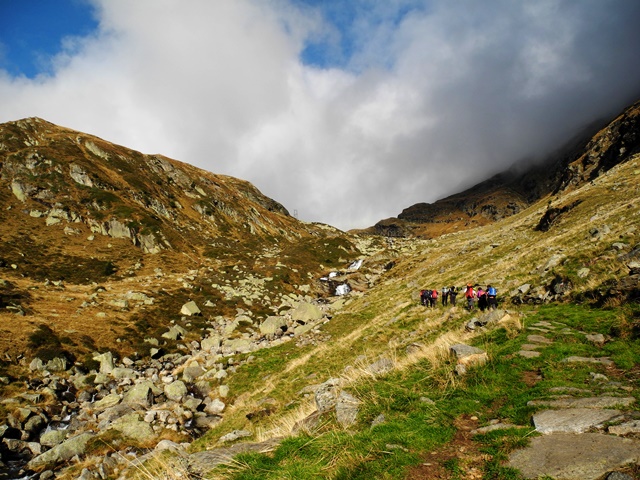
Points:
(588, 155)
(167, 364)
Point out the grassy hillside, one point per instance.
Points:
(428, 409)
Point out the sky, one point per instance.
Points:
(346, 112)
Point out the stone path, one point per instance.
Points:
(583, 436)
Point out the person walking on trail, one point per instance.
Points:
(434, 297)
(424, 297)
(470, 295)
(453, 293)
(492, 297)
(445, 296)
(482, 299)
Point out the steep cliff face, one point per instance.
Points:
(580, 160)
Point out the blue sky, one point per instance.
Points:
(346, 111)
(32, 32)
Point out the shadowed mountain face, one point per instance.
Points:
(581, 160)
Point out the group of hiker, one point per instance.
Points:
(486, 299)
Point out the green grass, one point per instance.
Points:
(414, 427)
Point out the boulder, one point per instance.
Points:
(273, 325)
(210, 343)
(140, 394)
(106, 362)
(189, 309)
(61, 452)
(468, 355)
(175, 390)
(326, 395)
(132, 427)
(176, 332)
(347, 407)
(306, 312)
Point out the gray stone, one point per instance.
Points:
(347, 407)
(596, 338)
(468, 355)
(619, 476)
(189, 374)
(600, 360)
(574, 457)
(106, 362)
(584, 402)
(175, 390)
(538, 339)
(61, 453)
(51, 438)
(190, 308)
(528, 353)
(132, 427)
(176, 332)
(58, 364)
(326, 395)
(234, 435)
(108, 401)
(380, 367)
(379, 420)
(210, 343)
(139, 394)
(573, 420)
(625, 428)
(583, 272)
(306, 312)
(215, 407)
(493, 427)
(238, 345)
(273, 325)
(120, 373)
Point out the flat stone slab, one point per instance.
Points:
(575, 457)
(600, 360)
(625, 428)
(495, 426)
(573, 420)
(584, 402)
(538, 339)
(530, 346)
(204, 462)
(528, 353)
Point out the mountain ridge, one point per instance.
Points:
(587, 155)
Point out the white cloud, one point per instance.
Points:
(444, 96)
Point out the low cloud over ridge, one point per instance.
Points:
(431, 95)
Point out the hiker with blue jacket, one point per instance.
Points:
(492, 297)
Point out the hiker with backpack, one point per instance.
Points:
(434, 297)
(492, 297)
(445, 296)
(482, 299)
(453, 293)
(424, 299)
(470, 295)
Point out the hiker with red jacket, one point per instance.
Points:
(470, 295)
(434, 297)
